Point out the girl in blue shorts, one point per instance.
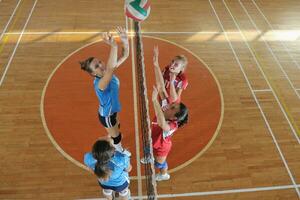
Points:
(106, 85)
(111, 168)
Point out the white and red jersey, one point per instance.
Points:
(180, 82)
(161, 140)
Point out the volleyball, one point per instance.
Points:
(137, 10)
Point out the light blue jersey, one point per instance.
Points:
(118, 164)
(108, 98)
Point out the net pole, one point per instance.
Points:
(144, 115)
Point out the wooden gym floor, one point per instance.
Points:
(249, 48)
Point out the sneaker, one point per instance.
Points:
(146, 160)
(162, 177)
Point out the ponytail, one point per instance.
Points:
(85, 65)
(102, 170)
(102, 151)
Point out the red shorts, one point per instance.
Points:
(163, 149)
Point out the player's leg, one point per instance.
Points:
(112, 124)
(162, 165)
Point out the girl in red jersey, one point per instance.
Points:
(172, 75)
(163, 126)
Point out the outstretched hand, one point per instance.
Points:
(154, 93)
(109, 39)
(155, 56)
(122, 33)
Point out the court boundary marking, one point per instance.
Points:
(263, 90)
(257, 102)
(281, 104)
(271, 51)
(272, 28)
(100, 32)
(17, 45)
(216, 192)
(11, 17)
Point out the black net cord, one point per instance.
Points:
(144, 115)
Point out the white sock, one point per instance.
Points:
(118, 147)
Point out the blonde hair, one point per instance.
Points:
(183, 59)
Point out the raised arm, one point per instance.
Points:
(158, 111)
(125, 48)
(112, 61)
(113, 54)
(158, 75)
(173, 93)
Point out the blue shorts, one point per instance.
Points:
(115, 188)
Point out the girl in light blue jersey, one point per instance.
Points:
(111, 168)
(106, 85)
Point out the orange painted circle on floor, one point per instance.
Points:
(70, 105)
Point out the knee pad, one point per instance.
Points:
(117, 139)
(161, 165)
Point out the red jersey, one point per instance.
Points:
(161, 140)
(181, 81)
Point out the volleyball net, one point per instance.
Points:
(144, 114)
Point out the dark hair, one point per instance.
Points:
(85, 65)
(102, 151)
(182, 115)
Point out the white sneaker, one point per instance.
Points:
(162, 177)
(146, 160)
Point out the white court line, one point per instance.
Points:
(258, 64)
(271, 51)
(135, 110)
(5, 28)
(218, 192)
(272, 28)
(18, 42)
(136, 127)
(99, 32)
(263, 90)
(256, 100)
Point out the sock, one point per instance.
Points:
(118, 147)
